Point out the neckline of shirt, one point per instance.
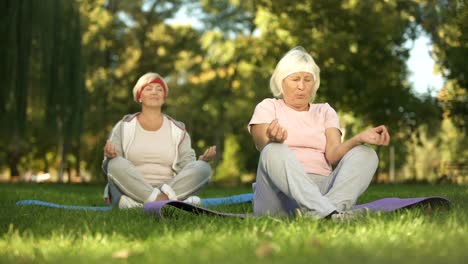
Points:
(294, 110)
(151, 131)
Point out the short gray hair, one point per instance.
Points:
(295, 60)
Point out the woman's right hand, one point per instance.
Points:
(276, 133)
(209, 155)
(109, 150)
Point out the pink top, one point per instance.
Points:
(306, 130)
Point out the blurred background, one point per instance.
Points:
(68, 67)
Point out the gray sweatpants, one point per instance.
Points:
(125, 179)
(283, 187)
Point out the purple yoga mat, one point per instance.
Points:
(392, 204)
(382, 205)
(156, 208)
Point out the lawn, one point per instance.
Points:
(38, 234)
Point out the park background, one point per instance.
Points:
(68, 67)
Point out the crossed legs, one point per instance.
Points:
(282, 185)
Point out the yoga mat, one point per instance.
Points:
(235, 199)
(61, 206)
(392, 204)
(382, 205)
(156, 208)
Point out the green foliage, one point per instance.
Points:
(436, 158)
(229, 168)
(122, 41)
(69, 76)
(447, 24)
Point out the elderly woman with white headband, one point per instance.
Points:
(299, 142)
(148, 156)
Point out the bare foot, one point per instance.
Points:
(161, 197)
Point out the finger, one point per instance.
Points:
(206, 152)
(387, 138)
(381, 139)
(285, 136)
(281, 135)
(111, 148)
(274, 132)
(383, 135)
(377, 139)
(270, 127)
(106, 150)
(109, 153)
(384, 138)
(372, 138)
(380, 129)
(106, 146)
(210, 157)
(209, 154)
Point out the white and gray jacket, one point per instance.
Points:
(123, 134)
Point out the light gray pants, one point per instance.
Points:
(283, 187)
(125, 179)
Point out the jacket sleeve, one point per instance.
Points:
(116, 138)
(186, 153)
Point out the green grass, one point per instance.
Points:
(38, 234)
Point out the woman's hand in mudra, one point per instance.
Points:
(209, 155)
(375, 136)
(276, 133)
(109, 150)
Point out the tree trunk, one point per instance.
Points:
(13, 165)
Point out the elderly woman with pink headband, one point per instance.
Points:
(299, 142)
(148, 156)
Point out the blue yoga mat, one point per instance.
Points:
(61, 206)
(234, 199)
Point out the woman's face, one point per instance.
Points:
(298, 89)
(152, 95)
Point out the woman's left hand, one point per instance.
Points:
(375, 136)
(209, 155)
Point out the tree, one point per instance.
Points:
(359, 46)
(122, 41)
(447, 24)
(42, 70)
